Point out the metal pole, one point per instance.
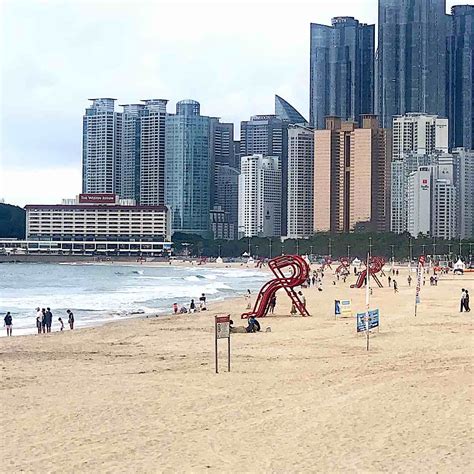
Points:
(219, 251)
(460, 247)
(348, 251)
(330, 248)
(423, 248)
(228, 354)
(311, 250)
(217, 359)
(270, 248)
(370, 246)
(256, 251)
(297, 247)
(282, 248)
(434, 247)
(249, 249)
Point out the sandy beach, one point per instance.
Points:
(142, 395)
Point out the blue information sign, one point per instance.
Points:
(374, 319)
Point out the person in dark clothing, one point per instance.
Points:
(192, 307)
(70, 319)
(271, 307)
(254, 325)
(389, 281)
(8, 323)
(43, 321)
(395, 286)
(49, 319)
(466, 302)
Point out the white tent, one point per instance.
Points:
(459, 266)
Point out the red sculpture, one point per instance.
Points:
(375, 266)
(299, 269)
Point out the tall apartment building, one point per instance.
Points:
(260, 196)
(341, 70)
(411, 58)
(300, 181)
(101, 143)
(461, 72)
(432, 199)
(351, 176)
(419, 201)
(188, 170)
(152, 153)
(129, 185)
(225, 211)
(267, 135)
(464, 181)
(416, 139)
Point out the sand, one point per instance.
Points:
(142, 395)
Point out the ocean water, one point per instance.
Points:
(98, 293)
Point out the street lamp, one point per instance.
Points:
(348, 251)
(297, 247)
(370, 246)
(219, 247)
(410, 256)
(270, 249)
(393, 256)
(250, 254)
(311, 250)
(423, 248)
(434, 247)
(330, 247)
(282, 248)
(460, 247)
(256, 251)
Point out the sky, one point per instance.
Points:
(231, 56)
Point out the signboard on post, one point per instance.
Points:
(419, 277)
(342, 308)
(374, 320)
(222, 331)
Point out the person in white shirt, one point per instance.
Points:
(463, 300)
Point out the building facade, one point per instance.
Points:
(152, 153)
(188, 170)
(97, 217)
(260, 196)
(351, 176)
(461, 72)
(411, 58)
(341, 70)
(417, 138)
(225, 211)
(419, 201)
(464, 182)
(101, 147)
(267, 135)
(300, 182)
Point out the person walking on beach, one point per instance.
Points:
(389, 281)
(70, 319)
(49, 319)
(192, 307)
(395, 286)
(8, 323)
(202, 302)
(61, 323)
(463, 300)
(466, 302)
(248, 298)
(409, 280)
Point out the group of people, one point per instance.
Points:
(44, 320)
(192, 306)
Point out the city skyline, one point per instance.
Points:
(48, 75)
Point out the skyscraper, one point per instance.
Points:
(411, 58)
(351, 176)
(225, 209)
(341, 70)
(260, 196)
(101, 142)
(300, 181)
(416, 139)
(188, 169)
(268, 135)
(464, 181)
(287, 112)
(152, 152)
(461, 71)
(129, 185)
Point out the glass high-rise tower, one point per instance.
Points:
(341, 70)
(461, 71)
(411, 58)
(188, 169)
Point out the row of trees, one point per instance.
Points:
(388, 245)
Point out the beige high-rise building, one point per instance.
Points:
(351, 176)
